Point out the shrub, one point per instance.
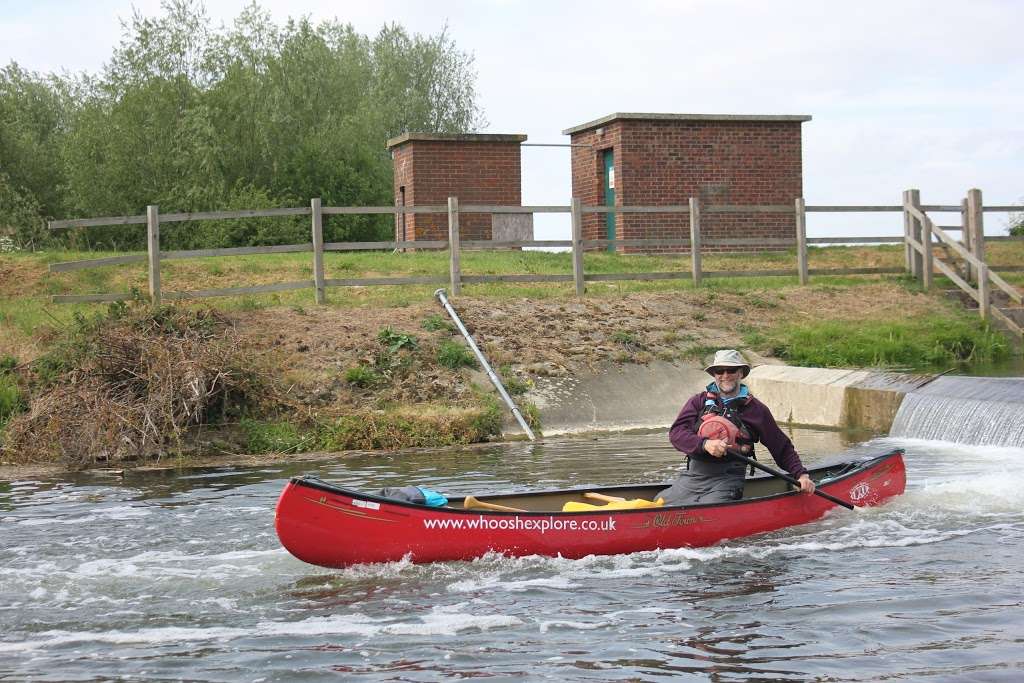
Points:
(133, 382)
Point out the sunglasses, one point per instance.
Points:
(725, 371)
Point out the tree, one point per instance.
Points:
(194, 118)
(1016, 228)
(34, 112)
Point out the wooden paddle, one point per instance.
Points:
(782, 475)
(471, 502)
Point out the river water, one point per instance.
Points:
(179, 576)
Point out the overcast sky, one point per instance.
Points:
(904, 94)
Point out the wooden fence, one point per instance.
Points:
(919, 230)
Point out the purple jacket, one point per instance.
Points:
(683, 433)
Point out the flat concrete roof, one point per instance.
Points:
(455, 137)
(799, 118)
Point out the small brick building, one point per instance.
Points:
(477, 168)
(664, 159)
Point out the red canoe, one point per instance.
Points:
(336, 527)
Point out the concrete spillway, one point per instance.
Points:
(948, 408)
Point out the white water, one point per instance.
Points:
(968, 410)
(181, 577)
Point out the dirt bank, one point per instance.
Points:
(314, 349)
(560, 336)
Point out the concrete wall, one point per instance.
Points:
(621, 397)
(807, 396)
(825, 397)
(650, 396)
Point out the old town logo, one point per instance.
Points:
(860, 491)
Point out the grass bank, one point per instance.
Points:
(131, 382)
(379, 368)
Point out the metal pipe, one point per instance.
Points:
(552, 144)
(483, 361)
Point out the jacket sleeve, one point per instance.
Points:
(683, 432)
(775, 440)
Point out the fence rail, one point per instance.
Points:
(920, 238)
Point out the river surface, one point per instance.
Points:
(179, 576)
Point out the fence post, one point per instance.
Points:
(965, 238)
(318, 249)
(976, 224)
(153, 247)
(801, 239)
(695, 240)
(928, 256)
(577, 245)
(455, 267)
(912, 231)
(984, 293)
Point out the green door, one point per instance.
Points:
(609, 195)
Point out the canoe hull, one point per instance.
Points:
(335, 527)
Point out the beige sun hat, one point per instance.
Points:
(729, 358)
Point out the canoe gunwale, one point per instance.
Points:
(847, 469)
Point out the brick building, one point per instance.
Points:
(476, 168)
(664, 159)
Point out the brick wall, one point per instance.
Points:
(588, 176)
(478, 169)
(665, 161)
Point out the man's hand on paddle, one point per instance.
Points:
(806, 485)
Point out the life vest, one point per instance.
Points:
(714, 406)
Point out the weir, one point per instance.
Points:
(970, 410)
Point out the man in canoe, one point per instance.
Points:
(722, 417)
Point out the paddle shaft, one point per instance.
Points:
(593, 495)
(470, 502)
(783, 475)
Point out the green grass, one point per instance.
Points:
(923, 342)
(240, 271)
(624, 337)
(393, 429)
(454, 355)
(363, 376)
(29, 310)
(11, 400)
(435, 322)
(275, 437)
